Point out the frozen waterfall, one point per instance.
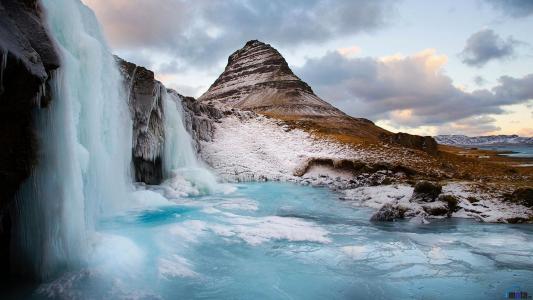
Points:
(185, 174)
(85, 142)
(85, 147)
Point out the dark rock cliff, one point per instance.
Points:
(199, 119)
(148, 113)
(27, 59)
(146, 107)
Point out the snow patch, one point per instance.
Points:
(264, 149)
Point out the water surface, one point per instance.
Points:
(283, 241)
(511, 150)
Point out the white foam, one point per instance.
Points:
(115, 254)
(175, 266)
(188, 231)
(355, 252)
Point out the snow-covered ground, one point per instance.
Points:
(258, 148)
(480, 206)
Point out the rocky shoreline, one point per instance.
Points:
(272, 151)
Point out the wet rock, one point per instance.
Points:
(426, 191)
(517, 220)
(441, 209)
(452, 203)
(389, 213)
(27, 59)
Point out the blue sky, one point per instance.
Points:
(425, 67)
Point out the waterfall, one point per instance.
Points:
(84, 138)
(185, 173)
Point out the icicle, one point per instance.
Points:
(41, 93)
(3, 66)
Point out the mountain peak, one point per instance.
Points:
(258, 78)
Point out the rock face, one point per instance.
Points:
(146, 107)
(258, 78)
(199, 119)
(145, 96)
(27, 59)
(424, 143)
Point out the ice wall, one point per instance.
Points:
(85, 149)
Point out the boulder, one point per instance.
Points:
(388, 213)
(426, 191)
(451, 202)
(445, 205)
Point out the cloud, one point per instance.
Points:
(201, 32)
(513, 8)
(526, 132)
(485, 45)
(480, 80)
(349, 52)
(409, 91)
(473, 126)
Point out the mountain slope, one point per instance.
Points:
(258, 78)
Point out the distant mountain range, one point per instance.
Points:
(482, 140)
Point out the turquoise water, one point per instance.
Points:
(518, 150)
(283, 241)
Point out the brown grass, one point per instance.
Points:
(450, 163)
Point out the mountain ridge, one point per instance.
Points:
(456, 139)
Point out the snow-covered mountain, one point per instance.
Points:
(482, 140)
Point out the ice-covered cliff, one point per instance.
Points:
(150, 115)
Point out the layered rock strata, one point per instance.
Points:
(258, 78)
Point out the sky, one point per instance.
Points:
(417, 66)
